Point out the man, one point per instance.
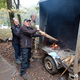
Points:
(33, 26)
(16, 40)
(33, 22)
(26, 35)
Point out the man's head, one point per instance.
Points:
(27, 22)
(33, 16)
(16, 22)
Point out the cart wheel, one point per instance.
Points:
(50, 65)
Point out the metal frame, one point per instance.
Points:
(77, 56)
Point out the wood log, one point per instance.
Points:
(66, 60)
(71, 61)
(48, 36)
(63, 58)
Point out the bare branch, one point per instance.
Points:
(17, 4)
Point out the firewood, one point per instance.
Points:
(66, 60)
(71, 61)
(72, 64)
(48, 36)
(72, 57)
(63, 58)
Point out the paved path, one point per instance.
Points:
(7, 71)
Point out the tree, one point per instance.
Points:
(7, 4)
(17, 4)
(17, 7)
(37, 7)
(3, 4)
(11, 14)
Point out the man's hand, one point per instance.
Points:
(43, 34)
(38, 29)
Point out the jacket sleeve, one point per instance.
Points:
(28, 32)
(14, 31)
(36, 35)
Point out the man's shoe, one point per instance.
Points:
(24, 76)
(18, 61)
(30, 66)
(20, 58)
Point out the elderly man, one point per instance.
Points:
(33, 26)
(26, 35)
(33, 22)
(16, 40)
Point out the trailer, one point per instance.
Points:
(60, 19)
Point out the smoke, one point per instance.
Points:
(42, 1)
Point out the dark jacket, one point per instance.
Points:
(26, 36)
(16, 34)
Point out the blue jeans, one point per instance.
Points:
(26, 55)
(17, 51)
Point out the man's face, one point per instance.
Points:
(16, 22)
(34, 17)
(27, 23)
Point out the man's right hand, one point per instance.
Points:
(38, 29)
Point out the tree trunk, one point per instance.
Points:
(17, 7)
(19, 18)
(11, 14)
